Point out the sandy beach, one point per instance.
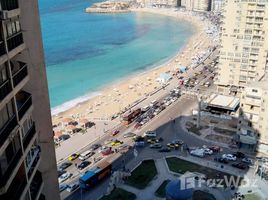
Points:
(118, 96)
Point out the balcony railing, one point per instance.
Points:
(20, 75)
(15, 160)
(24, 106)
(34, 163)
(9, 4)
(14, 41)
(5, 89)
(7, 128)
(2, 48)
(36, 184)
(28, 137)
(15, 189)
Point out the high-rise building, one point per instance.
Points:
(217, 5)
(244, 43)
(196, 5)
(27, 155)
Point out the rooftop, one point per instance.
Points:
(222, 101)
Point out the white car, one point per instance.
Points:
(247, 160)
(72, 187)
(229, 157)
(208, 151)
(64, 177)
(198, 153)
(62, 187)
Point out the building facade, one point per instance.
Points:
(27, 154)
(217, 5)
(244, 43)
(196, 5)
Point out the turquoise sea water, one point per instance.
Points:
(85, 52)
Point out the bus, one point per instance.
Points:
(129, 117)
(95, 175)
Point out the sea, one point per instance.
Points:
(86, 52)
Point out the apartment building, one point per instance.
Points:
(27, 155)
(253, 124)
(217, 5)
(244, 43)
(196, 5)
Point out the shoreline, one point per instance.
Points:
(81, 108)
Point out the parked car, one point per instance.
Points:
(152, 141)
(229, 157)
(95, 146)
(239, 155)
(179, 142)
(115, 132)
(173, 145)
(64, 165)
(85, 155)
(198, 153)
(215, 148)
(150, 134)
(106, 150)
(156, 145)
(73, 156)
(64, 177)
(72, 187)
(221, 160)
(247, 160)
(164, 150)
(124, 147)
(62, 187)
(208, 151)
(83, 164)
(127, 135)
(240, 165)
(60, 172)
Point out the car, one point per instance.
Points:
(116, 143)
(83, 164)
(124, 147)
(156, 145)
(173, 145)
(65, 165)
(179, 142)
(127, 135)
(165, 150)
(62, 187)
(115, 132)
(72, 187)
(106, 150)
(229, 157)
(240, 165)
(221, 160)
(198, 152)
(60, 172)
(150, 134)
(64, 177)
(94, 147)
(73, 156)
(239, 155)
(137, 126)
(247, 160)
(215, 148)
(85, 155)
(152, 141)
(208, 151)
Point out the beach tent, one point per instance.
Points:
(164, 78)
(182, 69)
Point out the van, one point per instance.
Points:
(83, 156)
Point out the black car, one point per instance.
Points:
(65, 165)
(221, 160)
(95, 146)
(165, 150)
(60, 172)
(83, 165)
(240, 165)
(239, 155)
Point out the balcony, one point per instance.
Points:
(7, 129)
(34, 162)
(5, 89)
(28, 137)
(14, 41)
(9, 4)
(19, 75)
(15, 189)
(24, 102)
(11, 166)
(36, 185)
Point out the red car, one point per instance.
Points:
(215, 148)
(106, 151)
(115, 132)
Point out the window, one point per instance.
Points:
(13, 27)
(3, 74)
(6, 113)
(254, 90)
